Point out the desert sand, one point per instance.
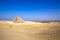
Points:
(29, 31)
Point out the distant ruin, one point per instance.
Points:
(18, 20)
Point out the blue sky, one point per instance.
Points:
(30, 9)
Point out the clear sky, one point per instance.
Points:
(30, 9)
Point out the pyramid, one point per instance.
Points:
(18, 20)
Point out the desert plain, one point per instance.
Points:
(29, 30)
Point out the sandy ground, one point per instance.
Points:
(30, 31)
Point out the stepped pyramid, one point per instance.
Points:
(18, 20)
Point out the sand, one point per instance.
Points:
(29, 31)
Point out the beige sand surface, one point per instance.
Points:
(29, 31)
